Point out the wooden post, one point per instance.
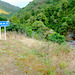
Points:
(0, 32)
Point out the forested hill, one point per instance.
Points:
(36, 6)
(7, 9)
(40, 16)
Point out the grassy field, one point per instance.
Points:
(20, 55)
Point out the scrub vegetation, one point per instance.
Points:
(40, 16)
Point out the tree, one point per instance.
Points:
(27, 15)
(3, 19)
(49, 10)
(43, 18)
(48, 1)
(72, 2)
(39, 27)
(15, 19)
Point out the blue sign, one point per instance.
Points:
(4, 23)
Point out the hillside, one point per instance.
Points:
(20, 55)
(37, 39)
(7, 10)
(4, 12)
(52, 20)
(35, 5)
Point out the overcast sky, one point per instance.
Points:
(20, 3)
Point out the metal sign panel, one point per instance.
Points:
(4, 23)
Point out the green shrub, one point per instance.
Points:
(3, 18)
(63, 29)
(16, 27)
(62, 65)
(55, 37)
(15, 19)
(2, 30)
(29, 31)
(37, 24)
(37, 36)
(32, 19)
(39, 27)
(48, 1)
(27, 15)
(65, 5)
(13, 27)
(42, 17)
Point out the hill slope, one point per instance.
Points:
(24, 56)
(4, 12)
(34, 5)
(39, 16)
(7, 9)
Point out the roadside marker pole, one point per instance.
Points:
(5, 31)
(3, 24)
(0, 32)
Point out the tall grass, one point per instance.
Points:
(33, 57)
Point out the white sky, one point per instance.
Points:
(20, 3)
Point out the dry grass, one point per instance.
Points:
(4, 12)
(20, 55)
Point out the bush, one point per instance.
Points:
(73, 33)
(37, 36)
(65, 5)
(39, 27)
(16, 27)
(27, 16)
(2, 30)
(32, 19)
(15, 19)
(48, 1)
(29, 31)
(55, 37)
(63, 29)
(62, 65)
(3, 19)
(43, 18)
(12, 27)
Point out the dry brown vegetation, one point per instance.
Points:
(20, 55)
(4, 12)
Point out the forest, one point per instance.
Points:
(51, 20)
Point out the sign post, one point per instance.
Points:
(5, 31)
(0, 32)
(3, 24)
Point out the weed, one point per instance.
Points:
(10, 52)
(74, 71)
(35, 52)
(62, 65)
(3, 51)
(67, 71)
(42, 54)
(21, 56)
(12, 46)
(4, 48)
